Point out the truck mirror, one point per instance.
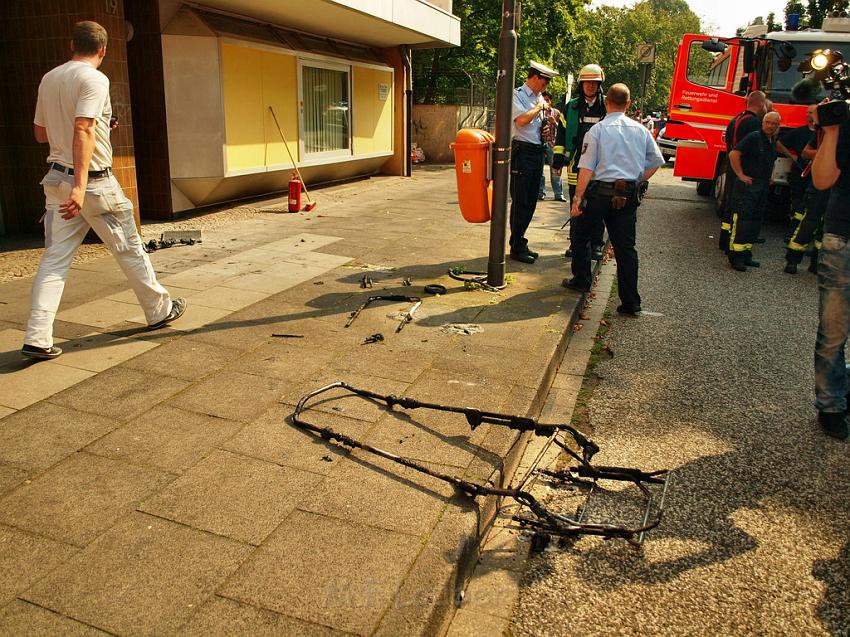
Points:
(743, 85)
(714, 46)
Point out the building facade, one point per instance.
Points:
(217, 99)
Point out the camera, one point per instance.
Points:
(827, 67)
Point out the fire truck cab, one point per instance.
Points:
(712, 79)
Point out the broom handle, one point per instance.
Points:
(289, 152)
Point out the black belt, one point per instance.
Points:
(606, 188)
(93, 174)
(522, 144)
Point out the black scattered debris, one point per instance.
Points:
(407, 316)
(539, 542)
(327, 459)
(161, 244)
(288, 335)
(435, 288)
(375, 338)
(366, 281)
(534, 514)
(473, 279)
(318, 282)
(406, 282)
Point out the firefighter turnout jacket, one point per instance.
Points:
(576, 119)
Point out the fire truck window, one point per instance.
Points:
(707, 69)
(782, 73)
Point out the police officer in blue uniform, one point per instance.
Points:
(619, 155)
(527, 156)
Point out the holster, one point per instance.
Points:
(620, 198)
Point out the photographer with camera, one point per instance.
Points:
(831, 169)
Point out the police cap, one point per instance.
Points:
(536, 68)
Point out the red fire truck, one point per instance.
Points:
(712, 79)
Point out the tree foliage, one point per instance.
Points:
(566, 34)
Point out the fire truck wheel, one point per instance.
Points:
(705, 187)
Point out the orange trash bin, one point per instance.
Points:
(472, 168)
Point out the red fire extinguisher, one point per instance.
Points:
(295, 194)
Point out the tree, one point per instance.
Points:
(772, 24)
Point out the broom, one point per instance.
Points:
(310, 203)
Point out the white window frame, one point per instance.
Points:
(302, 133)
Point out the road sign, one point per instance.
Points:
(645, 53)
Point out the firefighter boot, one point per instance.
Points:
(813, 264)
(749, 261)
(738, 261)
(723, 243)
(834, 424)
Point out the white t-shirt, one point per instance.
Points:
(74, 89)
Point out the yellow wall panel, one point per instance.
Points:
(362, 110)
(243, 106)
(383, 139)
(280, 91)
(373, 119)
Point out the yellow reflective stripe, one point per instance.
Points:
(558, 150)
(797, 247)
(676, 111)
(818, 244)
(737, 247)
(799, 215)
(725, 226)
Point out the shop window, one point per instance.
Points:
(327, 112)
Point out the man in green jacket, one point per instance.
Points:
(577, 117)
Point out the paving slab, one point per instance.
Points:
(11, 477)
(43, 434)
(273, 437)
(165, 437)
(144, 576)
(80, 498)
(99, 313)
(97, 352)
(227, 618)
(184, 359)
(225, 298)
(32, 382)
(233, 495)
(120, 393)
(231, 395)
(6, 411)
(367, 489)
(25, 558)
(28, 620)
(351, 583)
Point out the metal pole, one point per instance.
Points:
(502, 145)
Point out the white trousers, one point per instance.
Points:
(110, 214)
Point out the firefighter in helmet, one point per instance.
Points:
(577, 116)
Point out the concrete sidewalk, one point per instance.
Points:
(152, 483)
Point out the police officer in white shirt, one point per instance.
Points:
(619, 155)
(73, 115)
(527, 156)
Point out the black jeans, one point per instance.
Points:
(597, 241)
(526, 171)
(622, 232)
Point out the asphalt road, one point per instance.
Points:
(716, 382)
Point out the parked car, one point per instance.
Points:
(666, 145)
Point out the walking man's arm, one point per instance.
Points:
(84, 128)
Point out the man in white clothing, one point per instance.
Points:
(73, 116)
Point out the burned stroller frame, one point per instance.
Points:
(540, 519)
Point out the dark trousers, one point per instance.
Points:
(747, 207)
(622, 232)
(726, 209)
(810, 227)
(526, 171)
(597, 241)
